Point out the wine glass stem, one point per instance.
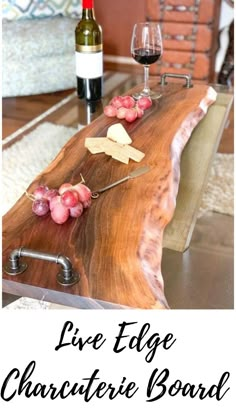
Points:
(146, 78)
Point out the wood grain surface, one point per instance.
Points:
(116, 245)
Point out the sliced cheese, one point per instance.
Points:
(133, 153)
(95, 144)
(118, 156)
(117, 132)
(120, 152)
(116, 151)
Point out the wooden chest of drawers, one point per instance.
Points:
(190, 36)
(189, 27)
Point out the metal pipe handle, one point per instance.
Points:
(187, 77)
(67, 276)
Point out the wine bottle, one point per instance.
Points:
(89, 54)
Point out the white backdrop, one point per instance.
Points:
(203, 351)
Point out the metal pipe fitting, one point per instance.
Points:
(67, 276)
(187, 77)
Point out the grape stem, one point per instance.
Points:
(82, 178)
(30, 196)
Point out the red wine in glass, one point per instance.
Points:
(146, 56)
(146, 49)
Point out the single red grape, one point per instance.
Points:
(70, 198)
(40, 207)
(64, 187)
(51, 193)
(54, 201)
(40, 191)
(128, 102)
(131, 115)
(121, 112)
(117, 101)
(144, 102)
(110, 110)
(60, 213)
(77, 210)
(84, 193)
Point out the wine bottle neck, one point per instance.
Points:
(88, 14)
(88, 9)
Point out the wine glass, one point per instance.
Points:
(146, 49)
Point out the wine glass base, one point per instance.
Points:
(151, 94)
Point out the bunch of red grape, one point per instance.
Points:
(125, 107)
(67, 201)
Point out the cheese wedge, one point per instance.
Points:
(95, 144)
(133, 153)
(117, 133)
(116, 151)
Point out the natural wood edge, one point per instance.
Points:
(163, 204)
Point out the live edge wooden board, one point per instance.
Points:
(116, 245)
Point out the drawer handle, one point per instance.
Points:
(179, 37)
(181, 8)
(189, 66)
(187, 77)
(67, 276)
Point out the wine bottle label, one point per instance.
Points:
(88, 48)
(89, 66)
